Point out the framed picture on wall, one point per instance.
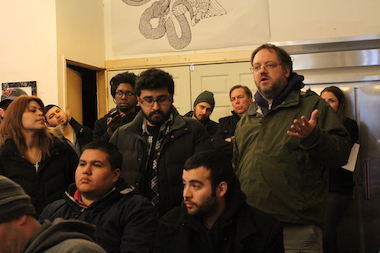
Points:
(30, 87)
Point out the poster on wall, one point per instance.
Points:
(153, 26)
(29, 87)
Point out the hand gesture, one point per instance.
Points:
(301, 129)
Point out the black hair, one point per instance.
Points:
(114, 157)
(153, 79)
(283, 56)
(126, 77)
(246, 89)
(218, 164)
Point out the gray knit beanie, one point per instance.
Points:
(14, 202)
(206, 96)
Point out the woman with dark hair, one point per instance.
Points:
(341, 183)
(31, 156)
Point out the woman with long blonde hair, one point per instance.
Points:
(41, 163)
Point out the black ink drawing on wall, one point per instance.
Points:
(166, 11)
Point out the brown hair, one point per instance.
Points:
(11, 126)
(341, 111)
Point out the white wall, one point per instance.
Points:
(38, 36)
(320, 19)
(28, 44)
(80, 37)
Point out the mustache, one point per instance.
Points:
(158, 111)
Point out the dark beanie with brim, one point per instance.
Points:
(14, 202)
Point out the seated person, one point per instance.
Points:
(75, 134)
(214, 216)
(125, 220)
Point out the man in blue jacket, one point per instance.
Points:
(125, 220)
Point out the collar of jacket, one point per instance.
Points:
(120, 188)
(294, 84)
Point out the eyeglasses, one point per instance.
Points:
(269, 65)
(127, 93)
(161, 100)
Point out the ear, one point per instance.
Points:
(21, 220)
(287, 71)
(172, 98)
(116, 174)
(2, 112)
(221, 190)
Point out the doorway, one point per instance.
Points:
(82, 94)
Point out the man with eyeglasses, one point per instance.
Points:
(122, 91)
(283, 146)
(156, 144)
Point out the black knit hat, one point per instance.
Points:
(14, 202)
(48, 107)
(206, 96)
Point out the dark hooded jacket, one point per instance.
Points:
(64, 236)
(210, 125)
(241, 228)
(125, 220)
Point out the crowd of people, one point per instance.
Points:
(147, 179)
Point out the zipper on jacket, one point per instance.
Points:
(36, 166)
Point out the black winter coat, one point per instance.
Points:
(241, 228)
(226, 129)
(185, 138)
(55, 173)
(125, 220)
(100, 126)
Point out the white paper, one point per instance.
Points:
(352, 159)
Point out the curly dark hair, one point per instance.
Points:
(153, 79)
(126, 77)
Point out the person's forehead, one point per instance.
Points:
(199, 174)
(237, 92)
(158, 92)
(53, 110)
(203, 104)
(124, 86)
(93, 155)
(265, 55)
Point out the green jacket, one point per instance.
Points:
(281, 175)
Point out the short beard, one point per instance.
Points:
(157, 121)
(272, 92)
(207, 209)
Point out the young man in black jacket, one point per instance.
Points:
(75, 134)
(214, 216)
(125, 220)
